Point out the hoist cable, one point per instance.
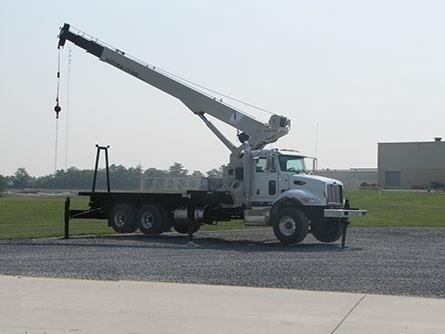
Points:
(67, 106)
(57, 110)
(214, 91)
(56, 145)
(57, 107)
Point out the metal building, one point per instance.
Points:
(411, 165)
(354, 178)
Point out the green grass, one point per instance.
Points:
(223, 226)
(35, 217)
(399, 208)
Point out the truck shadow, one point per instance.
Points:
(177, 241)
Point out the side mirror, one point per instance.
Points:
(314, 165)
(270, 164)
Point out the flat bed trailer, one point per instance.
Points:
(105, 201)
(154, 213)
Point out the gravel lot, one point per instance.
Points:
(398, 261)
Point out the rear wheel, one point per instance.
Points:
(290, 225)
(167, 219)
(123, 218)
(150, 220)
(326, 230)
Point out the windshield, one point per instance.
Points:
(292, 163)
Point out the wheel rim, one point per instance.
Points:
(287, 226)
(119, 218)
(147, 219)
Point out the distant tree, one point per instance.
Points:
(153, 172)
(177, 169)
(75, 178)
(21, 179)
(122, 178)
(139, 170)
(216, 172)
(3, 183)
(197, 173)
(72, 178)
(213, 173)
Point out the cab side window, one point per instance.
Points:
(260, 165)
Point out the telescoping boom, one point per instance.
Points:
(256, 133)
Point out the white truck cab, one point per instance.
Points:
(285, 192)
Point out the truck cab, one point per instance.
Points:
(277, 171)
(285, 192)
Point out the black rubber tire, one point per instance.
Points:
(326, 230)
(122, 218)
(150, 219)
(183, 227)
(167, 219)
(290, 225)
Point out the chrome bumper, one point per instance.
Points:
(344, 213)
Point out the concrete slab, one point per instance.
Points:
(396, 314)
(43, 305)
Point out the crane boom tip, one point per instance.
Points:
(63, 31)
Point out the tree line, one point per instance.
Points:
(74, 178)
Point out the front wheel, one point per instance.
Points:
(290, 225)
(326, 229)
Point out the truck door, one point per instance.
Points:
(265, 180)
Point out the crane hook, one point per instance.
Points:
(57, 109)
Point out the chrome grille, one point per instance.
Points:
(334, 194)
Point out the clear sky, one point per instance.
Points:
(362, 72)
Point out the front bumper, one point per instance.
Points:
(344, 213)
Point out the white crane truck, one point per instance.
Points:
(260, 186)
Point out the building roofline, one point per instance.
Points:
(414, 142)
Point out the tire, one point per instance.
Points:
(183, 227)
(326, 230)
(123, 218)
(290, 225)
(167, 219)
(150, 220)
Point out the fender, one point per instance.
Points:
(304, 197)
(295, 198)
